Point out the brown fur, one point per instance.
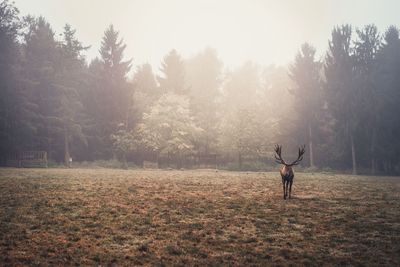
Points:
(287, 175)
(286, 171)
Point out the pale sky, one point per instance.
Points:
(264, 31)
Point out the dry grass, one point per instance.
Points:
(116, 217)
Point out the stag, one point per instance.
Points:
(287, 170)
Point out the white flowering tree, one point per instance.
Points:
(168, 128)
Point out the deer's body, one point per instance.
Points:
(286, 171)
(287, 180)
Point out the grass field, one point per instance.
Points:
(125, 217)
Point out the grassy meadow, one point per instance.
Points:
(203, 217)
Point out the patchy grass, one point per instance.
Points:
(117, 217)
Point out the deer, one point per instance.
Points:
(287, 171)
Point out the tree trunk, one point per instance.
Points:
(49, 146)
(124, 162)
(206, 150)
(240, 161)
(373, 160)
(353, 154)
(179, 163)
(66, 149)
(158, 160)
(127, 119)
(311, 146)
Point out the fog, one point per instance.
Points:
(266, 32)
(199, 84)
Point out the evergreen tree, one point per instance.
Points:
(69, 86)
(93, 103)
(173, 74)
(204, 77)
(115, 71)
(388, 99)
(146, 91)
(112, 93)
(40, 70)
(277, 108)
(340, 91)
(12, 121)
(240, 133)
(365, 53)
(307, 95)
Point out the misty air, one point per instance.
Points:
(199, 133)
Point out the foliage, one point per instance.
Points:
(341, 94)
(253, 165)
(240, 132)
(168, 128)
(146, 91)
(344, 106)
(111, 93)
(172, 79)
(204, 84)
(14, 124)
(308, 98)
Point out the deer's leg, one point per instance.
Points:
(287, 189)
(290, 188)
(284, 189)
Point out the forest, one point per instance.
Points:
(343, 106)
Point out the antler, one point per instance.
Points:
(278, 155)
(302, 150)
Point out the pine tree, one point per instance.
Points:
(112, 93)
(40, 68)
(173, 78)
(204, 77)
(340, 90)
(12, 124)
(388, 99)
(146, 90)
(69, 85)
(365, 71)
(307, 95)
(240, 133)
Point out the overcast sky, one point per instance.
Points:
(264, 31)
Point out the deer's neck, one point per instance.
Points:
(286, 171)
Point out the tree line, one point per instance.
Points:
(343, 106)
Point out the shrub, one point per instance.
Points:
(108, 164)
(249, 166)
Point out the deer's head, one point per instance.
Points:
(279, 159)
